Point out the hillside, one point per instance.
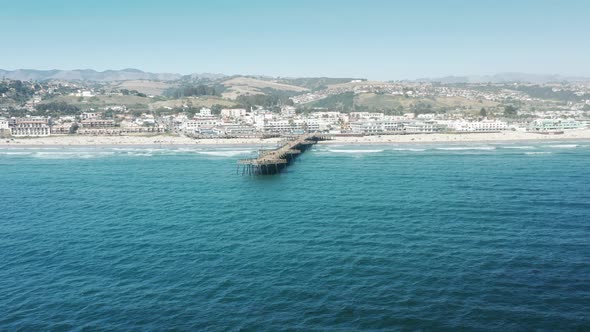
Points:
(382, 102)
(239, 86)
(132, 102)
(194, 102)
(377, 101)
(314, 83)
(155, 88)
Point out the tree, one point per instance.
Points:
(510, 110)
(74, 128)
(483, 112)
(216, 109)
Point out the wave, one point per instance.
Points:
(186, 150)
(72, 155)
(520, 147)
(230, 153)
(15, 153)
(124, 152)
(409, 149)
(537, 153)
(140, 154)
(353, 151)
(562, 146)
(467, 148)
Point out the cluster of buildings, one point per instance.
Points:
(85, 124)
(240, 122)
(247, 123)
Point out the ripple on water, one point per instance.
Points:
(481, 240)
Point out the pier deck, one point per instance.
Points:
(271, 162)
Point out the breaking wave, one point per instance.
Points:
(230, 153)
(72, 155)
(354, 151)
(537, 153)
(409, 149)
(467, 148)
(562, 146)
(519, 147)
(15, 153)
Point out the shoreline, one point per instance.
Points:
(174, 141)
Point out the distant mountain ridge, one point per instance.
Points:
(130, 74)
(506, 78)
(86, 75)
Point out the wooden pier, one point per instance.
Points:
(273, 161)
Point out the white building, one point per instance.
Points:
(3, 124)
(203, 112)
(233, 112)
(421, 127)
(376, 126)
(278, 126)
(479, 126)
(192, 126)
(84, 93)
(366, 115)
(288, 111)
(326, 115)
(554, 124)
(238, 130)
(116, 108)
(89, 115)
(33, 126)
(260, 118)
(366, 127)
(146, 119)
(309, 125)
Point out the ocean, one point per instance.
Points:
(369, 237)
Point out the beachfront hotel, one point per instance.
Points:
(554, 125)
(33, 126)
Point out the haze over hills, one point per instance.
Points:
(506, 78)
(129, 74)
(86, 75)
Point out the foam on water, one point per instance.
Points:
(518, 147)
(409, 149)
(139, 154)
(229, 153)
(15, 153)
(89, 153)
(467, 148)
(73, 154)
(537, 153)
(355, 151)
(562, 146)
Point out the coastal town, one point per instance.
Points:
(484, 108)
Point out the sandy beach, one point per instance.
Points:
(378, 139)
(463, 137)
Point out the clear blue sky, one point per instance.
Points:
(370, 38)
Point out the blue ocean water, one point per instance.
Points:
(408, 237)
